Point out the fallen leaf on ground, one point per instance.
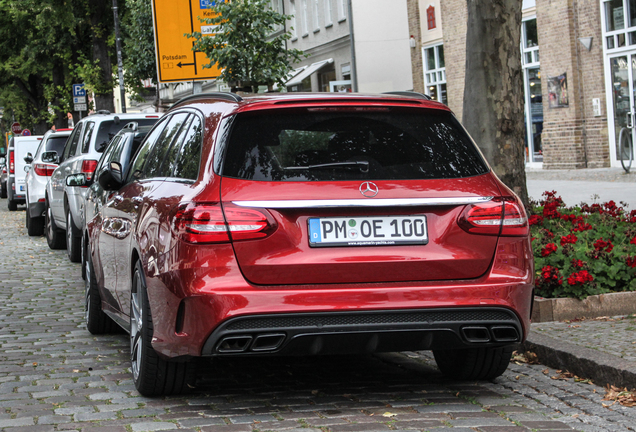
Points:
(389, 414)
(527, 357)
(546, 371)
(621, 395)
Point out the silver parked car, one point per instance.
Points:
(38, 176)
(83, 149)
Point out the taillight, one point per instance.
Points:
(209, 223)
(11, 162)
(500, 216)
(88, 168)
(44, 170)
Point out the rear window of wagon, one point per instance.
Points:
(325, 145)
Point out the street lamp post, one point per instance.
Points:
(120, 66)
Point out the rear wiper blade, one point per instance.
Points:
(363, 165)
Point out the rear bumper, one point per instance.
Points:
(204, 307)
(36, 209)
(359, 332)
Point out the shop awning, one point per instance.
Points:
(314, 67)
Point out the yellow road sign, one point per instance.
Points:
(175, 59)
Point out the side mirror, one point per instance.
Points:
(77, 180)
(50, 157)
(28, 158)
(111, 178)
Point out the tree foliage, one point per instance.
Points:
(45, 47)
(249, 44)
(140, 61)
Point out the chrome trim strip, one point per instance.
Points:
(389, 202)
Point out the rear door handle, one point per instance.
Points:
(137, 200)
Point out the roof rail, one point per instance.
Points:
(409, 94)
(103, 112)
(232, 97)
(133, 126)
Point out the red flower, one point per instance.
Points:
(582, 226)
(633, 241)
(549, 276)
(580, 277)
(548, 249)
(601, 245)
(568, 239)
(535, 220)
(577, 263)
(630, 261)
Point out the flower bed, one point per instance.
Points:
(582, 250)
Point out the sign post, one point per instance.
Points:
(79, 98)
(175, 59)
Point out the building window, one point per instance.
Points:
(430, 17)
(533, 98)
(342, 10)
(315, 20)
(305, 29)
(294, 32)
(435, 73)
(277, 6)
(328, 13)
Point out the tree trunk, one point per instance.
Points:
(493, 93)
(100, 13)
(61, 119)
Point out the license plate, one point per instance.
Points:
(368, 231)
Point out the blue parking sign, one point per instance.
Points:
(206, 4)
(79, 90)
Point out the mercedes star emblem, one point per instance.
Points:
(369, 189)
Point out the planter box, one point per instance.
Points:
(561, 309)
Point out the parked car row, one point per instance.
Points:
(293, 224)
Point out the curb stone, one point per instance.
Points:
(561, 309)
(602, 368)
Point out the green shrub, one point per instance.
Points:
(582, 250)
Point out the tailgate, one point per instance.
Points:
(290, 256)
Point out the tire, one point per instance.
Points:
(152, 375)
(35, 225)
(3, 190)
(73, 239)
(83, 254)
(625, 151)
(473, 363)
(13, 206)
(54, 236)
(97, 322)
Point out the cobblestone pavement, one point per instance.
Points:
(612, 335)
(55, 376)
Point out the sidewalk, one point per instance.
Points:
(602, 349)
(588, 185)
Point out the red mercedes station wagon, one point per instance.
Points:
(307, 224)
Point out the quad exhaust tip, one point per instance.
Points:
(484, 334)
(244, 343)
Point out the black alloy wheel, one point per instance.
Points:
(73, 239)
(54, 236)
(152, 374)
(97, 322)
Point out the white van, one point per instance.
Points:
(16, 187)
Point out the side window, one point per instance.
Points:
(139, 159)
(158, 153)
(88, 133)
(189, 158)
(167, 167)
(107, 156)
(71, 144)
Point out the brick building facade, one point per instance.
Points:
(565, 81)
